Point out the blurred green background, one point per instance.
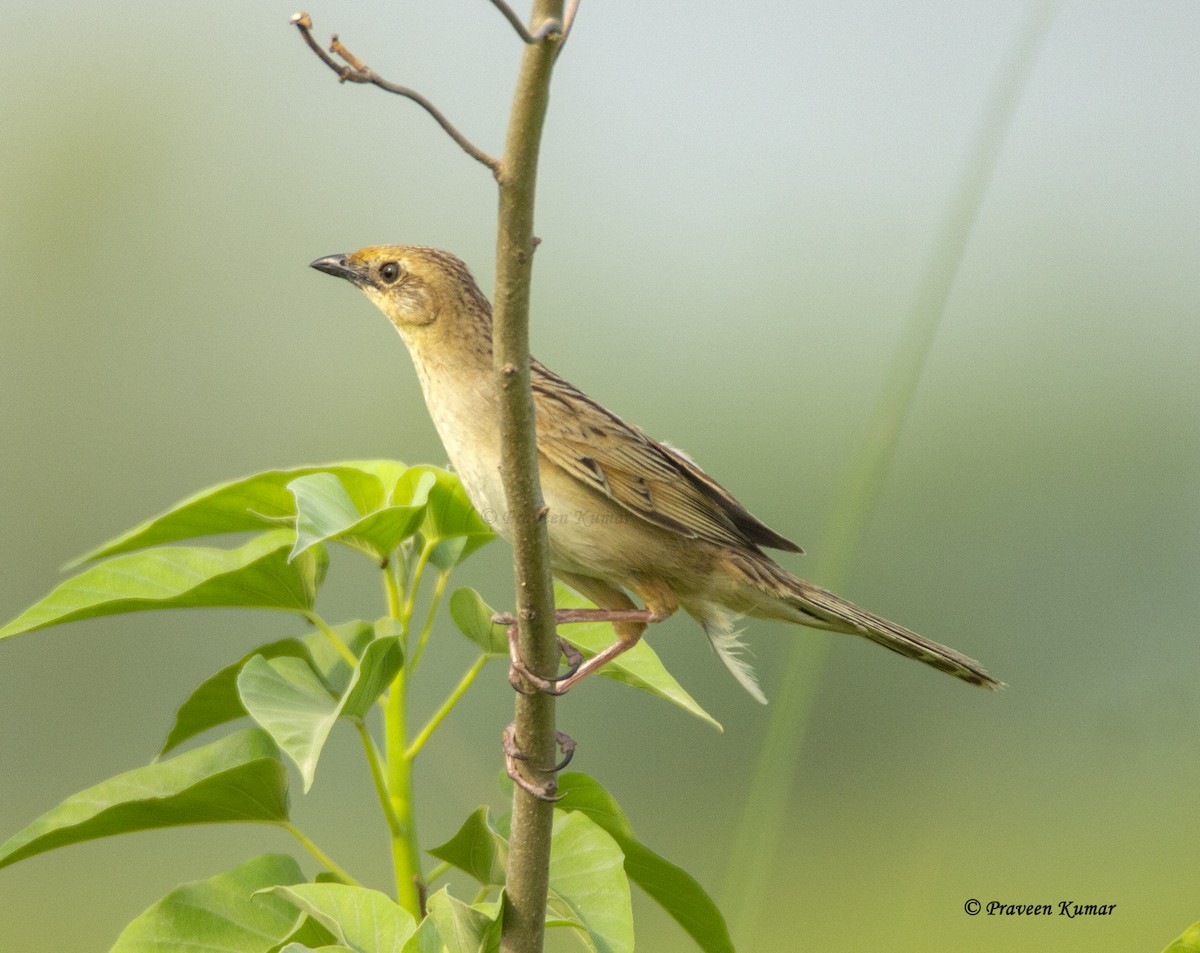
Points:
(736, 205)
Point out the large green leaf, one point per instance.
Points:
(463, 928)
(252, 503)
(452, 527)
(364, 920)
(351, 508)
(473, 617)
(677, 891)
(255, 574)
(1188, 941)
(238, 778)
(290, 701)
(477, 848)
(587, 873)
(220, 914)
(216, 700)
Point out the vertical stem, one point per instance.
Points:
(529, 854)
(755, 848)
(406, 857)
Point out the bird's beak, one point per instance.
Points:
(340, 267)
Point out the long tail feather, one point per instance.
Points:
(824, 610)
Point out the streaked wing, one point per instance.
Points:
(647, 478)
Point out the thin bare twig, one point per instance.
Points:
(356, 71)
(548, 27)
(568, 21)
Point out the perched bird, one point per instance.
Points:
(627, 514)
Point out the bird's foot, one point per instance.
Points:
(513, 755)
(519, 673)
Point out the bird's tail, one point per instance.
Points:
(821, 609)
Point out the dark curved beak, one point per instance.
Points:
(340, 267)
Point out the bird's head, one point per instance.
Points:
(429, 295)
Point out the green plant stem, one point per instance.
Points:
(414, 584)
(447, 706)
(336, 640)
(391, 589)
(325, 860)
(752, 862)
(379, 776)
(406, 858)
(439, 590)
(438, 872)
(406, 855)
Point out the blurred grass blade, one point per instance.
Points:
(755, 847)
(251, 504)
(673, 888)
(350, 508)
(587, 873)
(287, 698)
(364, 920)
(462, 928)
(239, 778)
(222, 910)
(255, 574)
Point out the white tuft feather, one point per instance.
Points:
(727, 643)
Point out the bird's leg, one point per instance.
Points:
(518, 669)
(634, 622)
(513, 754)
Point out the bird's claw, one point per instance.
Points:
(512, 754)
(519, 672)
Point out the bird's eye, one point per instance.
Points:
(389, 271)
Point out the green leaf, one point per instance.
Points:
(364, 920)
(216, 701)
(452, 527)
(256, 574)
(221, 913)
(463, 929)
(251, 504)
(286, 697)
(297, 948)
(238, 778)
(639, 667)
(473, 617)
(1188, 942)
(587, 873)
(675, 890)
(377, 668)
(478, 849)
(425, 940)
(349, 508)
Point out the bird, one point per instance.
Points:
(627, 514)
